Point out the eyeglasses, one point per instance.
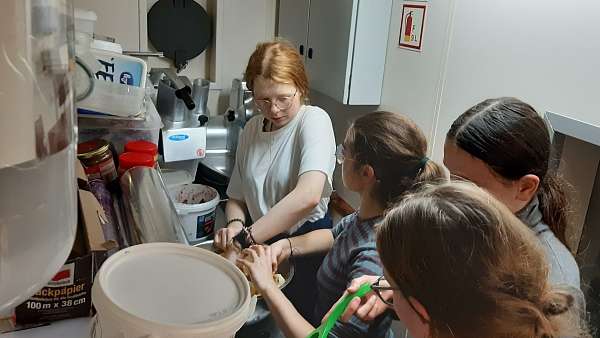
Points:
(378, 288)
(281, 102)
(339, 154)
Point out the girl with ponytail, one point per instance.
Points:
(459, 264)
(503, 145)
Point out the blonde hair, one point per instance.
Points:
(280, 62)
(473, 265)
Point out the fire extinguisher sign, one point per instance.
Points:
(412, 26)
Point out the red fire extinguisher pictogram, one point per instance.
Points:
(408, 27)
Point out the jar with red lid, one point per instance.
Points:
(97, 160)
(131, 159)
(142, 146)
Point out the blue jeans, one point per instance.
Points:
(302, 290)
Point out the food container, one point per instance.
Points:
(119, 85)
(169, 290)
(120, 131)
(141, 146)
(196, 206)
(97, 160)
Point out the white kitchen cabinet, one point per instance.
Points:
(344, 44)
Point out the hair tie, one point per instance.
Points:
(423, 162)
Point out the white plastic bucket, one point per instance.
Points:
(195, 205)
(164, 290)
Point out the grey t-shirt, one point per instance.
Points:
(563, 269)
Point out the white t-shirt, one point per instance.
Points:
(268, 164)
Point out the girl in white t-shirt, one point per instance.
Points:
(284, 162)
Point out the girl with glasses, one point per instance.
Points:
(383, 156)
(460, 264)
(282, 178)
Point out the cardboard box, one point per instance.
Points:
(68, 294)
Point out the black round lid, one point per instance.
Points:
(181, 29)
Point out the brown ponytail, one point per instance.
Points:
(554, 205)
(513, 140)
(431, 172)
(396, 149)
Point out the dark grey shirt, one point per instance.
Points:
(353, 255)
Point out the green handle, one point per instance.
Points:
(323, 330)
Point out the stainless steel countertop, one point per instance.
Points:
(220, 162)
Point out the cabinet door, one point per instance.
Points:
(330, 45)
(293, 22)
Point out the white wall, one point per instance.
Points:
(240, 26)
(544, 52)
(121, 24)
(412, 80)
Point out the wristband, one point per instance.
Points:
(236, 220)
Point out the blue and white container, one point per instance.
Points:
(196, 206)
(119, 84)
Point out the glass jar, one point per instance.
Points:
(97, 160)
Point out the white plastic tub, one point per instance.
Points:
(163, 290)
(119, 84)
(196, 206)
(120, 131)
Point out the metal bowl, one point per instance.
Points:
(286, 269)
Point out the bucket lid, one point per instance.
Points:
(174, 284)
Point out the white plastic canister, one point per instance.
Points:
(195, 205)
(162, 290)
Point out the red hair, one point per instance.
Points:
(277, 61)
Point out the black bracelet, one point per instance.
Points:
(236, 220)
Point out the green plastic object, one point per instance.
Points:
(323, 330)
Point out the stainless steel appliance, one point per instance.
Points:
(222, 138)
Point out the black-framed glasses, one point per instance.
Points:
(378, 288)
(281, 102)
